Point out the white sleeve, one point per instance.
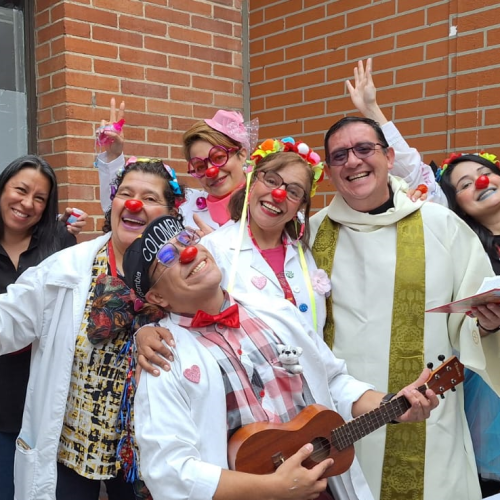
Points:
(409, 166)
(21, 311)
(107, 173)
(168, 438)
(345, 390)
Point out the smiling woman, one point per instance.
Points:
(29, 232)
(80, 316)
(267, 252)
(471, 184)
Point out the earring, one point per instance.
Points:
(301, 217)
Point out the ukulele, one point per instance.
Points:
(260, 448)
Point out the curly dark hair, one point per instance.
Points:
(155, 167)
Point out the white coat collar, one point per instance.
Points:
(342, 213)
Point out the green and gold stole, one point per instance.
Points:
(404, 458)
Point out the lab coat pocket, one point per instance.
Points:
(25, 467)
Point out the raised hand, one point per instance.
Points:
(113, 145)
(364, 93)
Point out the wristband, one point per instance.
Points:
(494, 330)
(385, 400)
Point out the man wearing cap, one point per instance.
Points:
(390, 260)
(226, 374)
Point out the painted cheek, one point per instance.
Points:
(188, 255)
(134, 205)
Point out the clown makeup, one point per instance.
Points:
(169, 254)
(225, 176)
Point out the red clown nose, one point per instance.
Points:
(212, 172)
(188, 255)
(482, 182)
(279, 195)
(134, 205)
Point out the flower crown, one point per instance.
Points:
(174, 184)
(271, 146)
(483, 154)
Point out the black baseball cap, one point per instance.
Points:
(142, 252)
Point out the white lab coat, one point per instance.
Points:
(45, 308)
(181, 425)
(255, 275)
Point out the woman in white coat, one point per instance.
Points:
(266, 252)
(78, 315)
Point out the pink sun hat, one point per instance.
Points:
(232, 124)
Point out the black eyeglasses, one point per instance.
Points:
(218, 156)
(273, 180)
(361, 150)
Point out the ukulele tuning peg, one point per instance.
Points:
(453, 389)
(430, 365)
(442, 396)
(441, 357)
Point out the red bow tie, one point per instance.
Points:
(229, 317)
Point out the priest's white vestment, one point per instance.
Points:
(363, 288)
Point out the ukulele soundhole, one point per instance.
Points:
(321, 449)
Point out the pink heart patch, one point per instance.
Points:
(259, 282)
(193, 374)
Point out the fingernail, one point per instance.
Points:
(156, 373)
(172, 343)
(166, 368)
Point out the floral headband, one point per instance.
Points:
(271, 146)
(174, 184)
(442, 169)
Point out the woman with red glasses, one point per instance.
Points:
(216, 151)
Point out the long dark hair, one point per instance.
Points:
(274, 163)
(155, 167)
(485, 235)
(46, 228)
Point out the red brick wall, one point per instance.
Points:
(173, 62)
(441, 89)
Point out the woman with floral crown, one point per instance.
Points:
(267, 251)
(471, 183)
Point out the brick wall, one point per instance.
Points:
(173, 62)
(437, 68)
